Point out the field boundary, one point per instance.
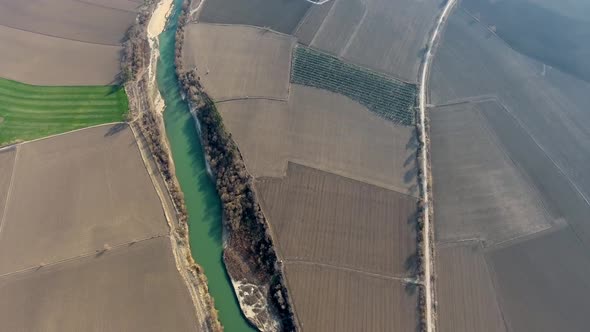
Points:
(96, 253)
(60, 134)
(343, 174)
(59, 37)
(261, 29)
(2, 220)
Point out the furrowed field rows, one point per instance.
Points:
(28, 112)
(386, 96)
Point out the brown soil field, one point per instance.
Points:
(69, 19)
(465, 292)
(560, 196)
(75, 193)
(127, 5)
(279, 15)
(383, 35)
(549, 107)
(329, 219)
(134, 287)
(43, 60)
(344, 17)
(327, 299)
(323, 130)
(6, 166)
(241, 61)
(543, 283)
(479, 192)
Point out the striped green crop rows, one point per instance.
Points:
(28, 112)
(386, 96)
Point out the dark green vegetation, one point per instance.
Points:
(28, 112)
(386, 96)
(543, 34)
(279, 15)
(201, 200)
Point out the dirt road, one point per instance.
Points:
(423, 79)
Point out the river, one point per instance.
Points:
(202, 203)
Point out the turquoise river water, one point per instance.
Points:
(202, 203)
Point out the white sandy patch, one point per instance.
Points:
(158, 20)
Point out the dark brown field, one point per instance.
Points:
(278, 15)
(328, 299)
(466, 295)
(75, 194)
(324, 218)
(543, 283)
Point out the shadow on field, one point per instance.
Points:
(411, 158)
(411, 263)
(114, 130)
(114, 86)
(410, 175)
(412, 143)
(411, 288)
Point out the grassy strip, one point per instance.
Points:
(28, 111)
(388, 97)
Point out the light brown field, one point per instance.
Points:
(323, 130)
(327, 299)
(241, 61)
(384, 35)
(478, 190)
(74, 194)
(133, 287)
(329, 219)
(69, 19)
(42, 60)
(466, 296)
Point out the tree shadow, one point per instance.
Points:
(410, 175)
(412, 142)
(411, 263)
(115, 129)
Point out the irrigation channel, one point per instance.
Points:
(202, 203)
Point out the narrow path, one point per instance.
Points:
(348, 269)
(428, 291)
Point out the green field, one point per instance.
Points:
(388, 97)
(28, 111)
